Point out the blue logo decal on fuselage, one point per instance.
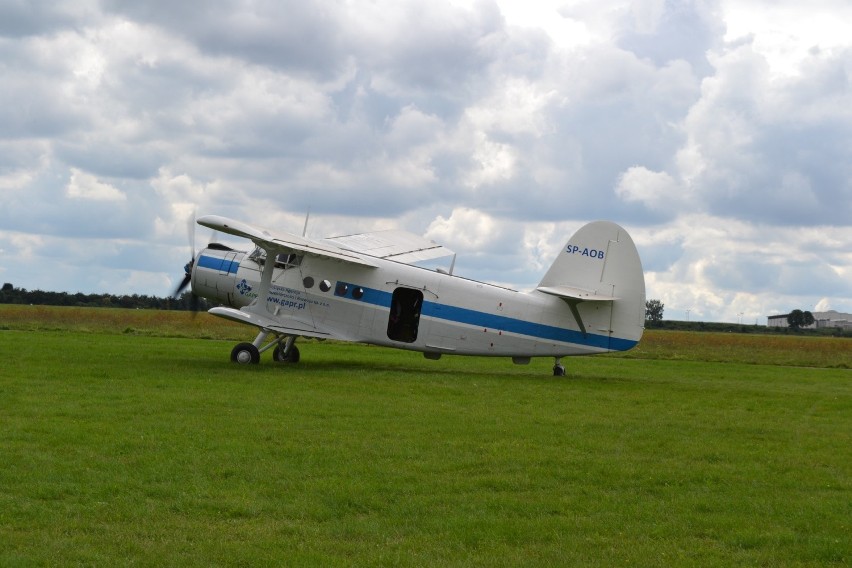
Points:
(244, 288)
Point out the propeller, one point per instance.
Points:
(188, 267)
(187, 279)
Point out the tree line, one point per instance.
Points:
(10, 294)
(798, 321)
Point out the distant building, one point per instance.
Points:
(830, 318)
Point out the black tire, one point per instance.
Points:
(291, 357)
(245, 354)
(558, 371)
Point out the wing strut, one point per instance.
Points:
(265, 282)
(576, 313)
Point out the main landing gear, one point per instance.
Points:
(558, 369)
(285, 350)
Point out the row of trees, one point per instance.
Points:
(9, 294)
(796, 320)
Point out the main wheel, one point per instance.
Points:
(292, 355)
(558, 370)
(245, 354)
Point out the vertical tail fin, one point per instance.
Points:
(599, 274)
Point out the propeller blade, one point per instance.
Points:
(187, 279)
(182, 286)
(191, 233)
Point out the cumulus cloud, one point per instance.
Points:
(715, 132)
(657, 190)
(87, 186)
(465, 229)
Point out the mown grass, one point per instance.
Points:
(128, 448)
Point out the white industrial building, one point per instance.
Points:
(830, 318)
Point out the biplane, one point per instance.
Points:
(368, 288)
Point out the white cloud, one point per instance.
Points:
(413, 127)
(557, 19)
(716, 132)
(658, 190)
(87, 186)
(16, 180)
(21, 245)
(492, 162)
(464, 230)
(725, 267)
(542, 244)
(786, 33)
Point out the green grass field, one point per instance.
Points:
(126, 439)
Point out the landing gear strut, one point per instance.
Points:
(558, 369)
(285, 350)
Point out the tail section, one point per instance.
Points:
(599, 275)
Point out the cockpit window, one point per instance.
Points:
(282, 260)
(258, 255)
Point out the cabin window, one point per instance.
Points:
(404, 317)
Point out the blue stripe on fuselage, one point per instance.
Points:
(492, 321)
(220, 264)
(521, 327)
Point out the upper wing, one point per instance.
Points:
(287, 242)
(400, 246)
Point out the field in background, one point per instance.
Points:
(769, 349)
(161, 323)
(125, 439)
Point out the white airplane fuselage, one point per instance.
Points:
(409, 307)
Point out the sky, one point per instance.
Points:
(718, 133)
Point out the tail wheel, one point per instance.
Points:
(245, 354)
(292, 355)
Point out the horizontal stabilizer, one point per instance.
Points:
(399, 246)
(577, 294)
